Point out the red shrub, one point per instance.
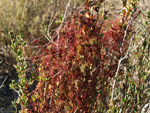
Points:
(74, 68)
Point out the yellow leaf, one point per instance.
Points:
(50, 86)
(33, 98)
(87, 15)
(78, 48)
(83, 32)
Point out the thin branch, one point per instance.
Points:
(75, 110)
(127, 53)
(1, 61)
(113, 88)
(2, 85)
(121, 50)
(4, 76)
(139, 44)
(126, 31)
(65, 14)
(64, 17)
(122, 58)
(45, 90)
(48, 37)
(56, 74)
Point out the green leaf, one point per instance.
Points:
(142, 88)
(24, 99)
(13, 104)
(105, 17)
(56, 22)
(22, 82)
(44, 79)
(15, 44)
(16, 66)
(15, 51)
(61, 17)
(95, 42)
(123, 99)
(21, 69)
(19, 52)
(141, 62)
(124, 3)
(148, 13)
(141, 94)
(16, 85)
(144, 44)
(148, 17)
(101, 35)
(11, 86)
(18, 101)
(146, 23)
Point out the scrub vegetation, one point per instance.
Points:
(78, 56)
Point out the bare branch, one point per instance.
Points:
(75, 110)
(64, 17)
(126, 31)
(127, 53)
(2, 85)
(122, 58)
(139, 44)
(48, 37)
(121, 50)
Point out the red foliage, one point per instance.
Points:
(74, 68)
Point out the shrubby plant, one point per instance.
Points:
(20, 86)
(88, 63)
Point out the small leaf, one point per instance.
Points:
(78, 48)
(19, 52)
(33, 98)
(56, 22)
(144, 44)
(11, 86)
(61, 17)
(123, 99)
(101, 35)
(124, 3)
(148, 17)
(13, 104)
(148, 13)
(24, 99)
(16, 66)
(44, 79)
(105, 17)
(15, 44)
(87, 15)
(146, 23)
